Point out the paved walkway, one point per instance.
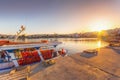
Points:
(103, 66)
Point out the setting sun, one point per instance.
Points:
(100, 28)
(99, 25)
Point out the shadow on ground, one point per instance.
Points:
(39, 67)
(88, 55)
(116, 49)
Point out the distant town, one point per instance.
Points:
(105, 34)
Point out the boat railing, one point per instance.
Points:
(18, 46)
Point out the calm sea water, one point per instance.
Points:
(75, 45)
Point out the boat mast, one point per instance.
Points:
(19, 32)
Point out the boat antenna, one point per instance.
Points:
(19, 32)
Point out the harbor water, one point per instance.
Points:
(75, 45)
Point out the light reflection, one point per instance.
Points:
(99, 44)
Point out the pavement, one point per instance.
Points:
(101, 66)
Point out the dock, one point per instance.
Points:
(103, 66)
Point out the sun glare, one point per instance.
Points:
(99, 28)
(100, 25)
(99, 44)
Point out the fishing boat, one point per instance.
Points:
(15, 54)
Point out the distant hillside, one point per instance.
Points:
(105, 34)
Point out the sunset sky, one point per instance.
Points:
(58, 16)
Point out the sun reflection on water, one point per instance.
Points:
(99, 44)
